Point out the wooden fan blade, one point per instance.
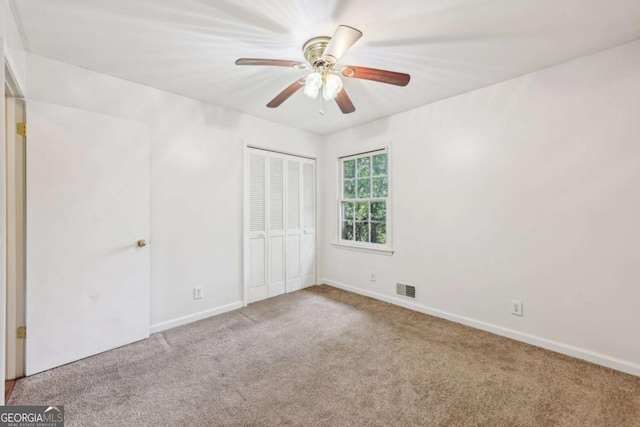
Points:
(285, 94)
(344, 102)
(340, 42)
(383, 76)
(272, 63)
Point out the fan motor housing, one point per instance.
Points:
(314, 48)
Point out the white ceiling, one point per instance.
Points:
(448, 46)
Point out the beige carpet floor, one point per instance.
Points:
(325, 357)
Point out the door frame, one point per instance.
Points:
(10, 360)
(246, 146)
(15, 244)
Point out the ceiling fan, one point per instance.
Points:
(321, 55)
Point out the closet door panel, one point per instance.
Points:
(257, 163)
(293, 262)
(294, 213)
(308, 223)
(258, 255)
(276, 235)
(276, 250)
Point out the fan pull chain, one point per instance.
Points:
(320, 101)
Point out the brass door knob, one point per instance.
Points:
(142, 243)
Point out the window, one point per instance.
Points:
(364, 199)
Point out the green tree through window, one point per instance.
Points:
(363, 202)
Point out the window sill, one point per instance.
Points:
(353, 247)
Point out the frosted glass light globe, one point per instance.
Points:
(313, 85)
(332, 86)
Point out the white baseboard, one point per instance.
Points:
(163, 326)
(569, 350)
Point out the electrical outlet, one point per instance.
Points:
(516, 307)
(197, 293)
(372, 277)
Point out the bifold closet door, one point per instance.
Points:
(281, 243)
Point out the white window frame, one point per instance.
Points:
(386, 248)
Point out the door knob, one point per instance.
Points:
(142, 243)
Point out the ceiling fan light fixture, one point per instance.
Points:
(322, 55)
(313, 84)
(332, 86)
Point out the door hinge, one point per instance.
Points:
(22, 332)
(21, 129)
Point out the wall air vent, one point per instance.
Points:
(406, 290)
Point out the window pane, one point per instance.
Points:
(349, 189)
(379, 211)
(362, 211)
(364, 167)
(347, 210)
(378, 232)
(380, 164)
(380, 187)
(362, 232)
(365, 178)
(347, 230)
(349, 169)
(364, 188)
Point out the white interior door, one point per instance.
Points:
(308, 223)
(294, 231)
(87, 282)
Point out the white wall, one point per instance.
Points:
(527, 190)
(13, 49)
(196, 181)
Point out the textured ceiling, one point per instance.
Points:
(448, 46)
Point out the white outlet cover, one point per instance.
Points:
(516, 307)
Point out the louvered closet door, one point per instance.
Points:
(276, 234)
(294, 229)
(281, 224)
(308, 243)
(257, 163)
